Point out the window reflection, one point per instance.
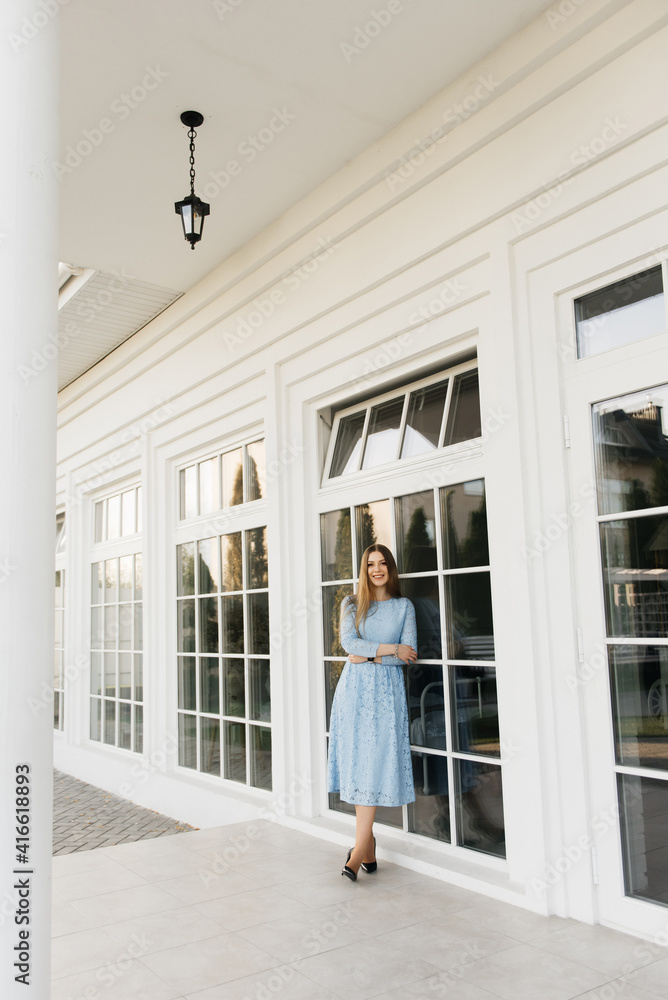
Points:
(464, 517)
(423, 592)
(348, 444)
(382, 442)
(635, 576)
(429, 814)
(475, 713)
(621, 313)
(644, 803)
(468, 600)
(464, 416)
(424, 419)
(336, 545)
(373, 524)
(639, 681)
(479, 807)
(416, 533)
(426, 706)
(631, 443)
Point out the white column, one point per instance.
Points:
(28, 394)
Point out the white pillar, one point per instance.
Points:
(28, 394)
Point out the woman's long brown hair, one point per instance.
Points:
(362, 599)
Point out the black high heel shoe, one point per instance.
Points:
(370, 866)
(348, 871)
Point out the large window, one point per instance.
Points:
(419, 419)
(631, 444)
(59, 639)
(224, 704)
(116, 642)
(439, 537)
(225, 480)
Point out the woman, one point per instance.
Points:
(369, 749)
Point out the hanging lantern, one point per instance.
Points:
(191, 209)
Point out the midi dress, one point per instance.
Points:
(369, 760)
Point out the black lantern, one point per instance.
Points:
(191, 209)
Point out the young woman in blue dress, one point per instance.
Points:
(369, 759)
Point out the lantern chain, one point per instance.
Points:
(191, 134)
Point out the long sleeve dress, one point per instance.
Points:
(369, 761)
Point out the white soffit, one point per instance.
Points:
(99, 310)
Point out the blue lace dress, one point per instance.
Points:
(369, 761)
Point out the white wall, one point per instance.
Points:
(553, 180)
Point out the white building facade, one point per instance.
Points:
(456, 346)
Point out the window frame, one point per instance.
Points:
(334, 482)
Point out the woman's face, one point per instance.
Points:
(377, 569)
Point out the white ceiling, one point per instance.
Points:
(236, 62)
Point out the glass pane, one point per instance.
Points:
(235, 751)
(260, 757)
(423, 592)
(139, 728)
(139, 496)
(139, 677)
(475, 712)
(208, 679)
(256, 487)
(125, 726)
(230, 548)
(189, 492)
(187, 740)
(429, 815)
(139, 627)
(479, 807)
(639, 682)
(336, 545)
(185, 569)
(348, 445)
(58, 628)
(61, 534)
(125, 617)
(110, 722)
(139, 577)
(111, 626)
(621, 313)
(372, 522)
(382, 439)
(56, 710)
(331, 609)
(97, 583)
(234, 687)
(468, 602)
(60, 577)
(186, 674)
(210, 746)
(631, 445)
(111, 580)
(96, 673)
(185, 617)
(233, 481)
(635, 576)
(57, 668)
(208, 486)
(464, 521)
(114, 517)
(207, 560)
(128, 522)
(333, 669)
(96, 628)
(232, 624)
(125, 675)
(464, 415)
(110, 675)
(99, 521)
(259, 706)
(258, 623)
(426, 711)
(125, 579)
(423, 421)
(208, 624)
(95, 725)
(416, 533)
(256, 554)
(643, 804)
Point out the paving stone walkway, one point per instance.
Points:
(85, 817)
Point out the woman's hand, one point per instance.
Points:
(358, 659)
(407, 653)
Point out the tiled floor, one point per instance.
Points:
(260, 912)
